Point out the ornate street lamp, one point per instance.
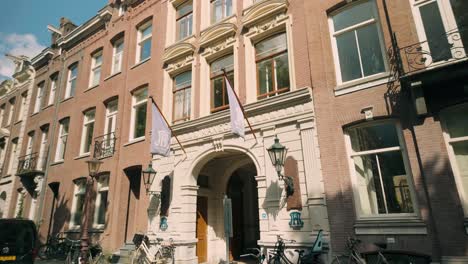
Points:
(149, 174)
(94, 165)
(277, 153)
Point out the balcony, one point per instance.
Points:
(31, 164)
(104, 146)
(438, 52)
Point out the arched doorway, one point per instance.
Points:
(233, 174)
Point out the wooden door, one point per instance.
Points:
(202, 223)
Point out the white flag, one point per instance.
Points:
(160, 133)
(237, 116)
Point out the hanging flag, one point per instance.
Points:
(237, 115)
(160, 132)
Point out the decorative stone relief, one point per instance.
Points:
(176, 66)
(270, 24)
(38, 181)
(219, 46)
(263, 10)
(217, 32)
(218, 143)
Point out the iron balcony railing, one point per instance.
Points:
(104, 146)
(437, 51)
(30, 163)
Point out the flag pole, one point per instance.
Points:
(239, 102)
(167, 123)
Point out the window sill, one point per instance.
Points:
(57, 162)
(400, 226)
(19, 121)
(363, 83)
(66, 99)
(134, 141)
(84, 155)
(34, 114)
(91, 88)
(112, 75)
(140, 63)
(47, 107)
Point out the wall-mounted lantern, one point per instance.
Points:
(277, 153)
(149, 174)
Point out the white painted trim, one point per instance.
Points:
(88, 119)
(133, 113)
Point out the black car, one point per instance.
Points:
(18, 241)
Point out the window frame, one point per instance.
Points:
(13, 156)
(74, 209)
(179, 19)
(89, 118)
(11, 110)
(39, 97)
(95, 68)
(230, 70)
(62, 139)
(175, 90)
(102, 186)
(22, 106)
(53, 89)
(351, 154)
(69, 90)
(354, 27)
(42, 148)
(116, 54)
(141, 40)
(135, 105)
(224, 11)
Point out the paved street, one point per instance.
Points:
(38, 261)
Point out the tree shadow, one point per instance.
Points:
(271, 203)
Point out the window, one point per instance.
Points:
(122, 8)
(444, 24)
(30, 144)
(2, 152)
(357, 42)
(144, 42)
(19, 203)
(101, 202)
(220, 9)
(39, 97)
(3, 210)
(62, 139)
(381, 176)
(53, 88)
(22, 106)
(71, 82)
(138, 119)
(11, 162)
(219, 95)
(181, 96)
(12, 110)
(456, 136)
(117, 56)
(41, 161)
(2, 114)
(87, 132)
(184, 20)
(32, 206)
(109, 127)
(96, 63)
(272, 66)
(78, 203)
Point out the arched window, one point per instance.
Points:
(271, 56)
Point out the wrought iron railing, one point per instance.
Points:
(434, 52)
(30, 162)
(104, 146)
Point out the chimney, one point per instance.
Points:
(66, 25)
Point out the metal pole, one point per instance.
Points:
(84, 223)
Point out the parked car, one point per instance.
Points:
(18, 241)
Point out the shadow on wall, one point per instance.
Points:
(274, 192)
(61, 216)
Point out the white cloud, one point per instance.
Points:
(16, 44)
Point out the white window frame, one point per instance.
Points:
(77, 192)
(30, 144)
(135, 104)
(32, 206)
(96, 69)
(142, 39)
(117, 56)
(62, 140)
(70, 79)
(13, 156)
(102, 186)
(121, 9)
(225, 14)
(22, 106)
(333, 35)
(111, 114)
(42, 148)
(19, 200)
(2, 113)
(39, 97)
(89, 118)
(402, 148)
(53, 89)
(11, 111)
(463, 194)
(185, 17)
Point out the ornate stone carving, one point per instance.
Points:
(178, 51)
(218, 143)
(219, 46)
(38, 181)
(217, 32)
(173, 68)
(260, 28)
(263, 10)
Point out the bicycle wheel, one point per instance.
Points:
(344, 260)
(43, 252)
(138, 257)
(167, 255)
(275, 260)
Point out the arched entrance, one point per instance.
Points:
(233, 174)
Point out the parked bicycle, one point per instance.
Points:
(73, 251)
(157, 251)
(55, 248)
(354, 256)
(311, 257)
(255, 254)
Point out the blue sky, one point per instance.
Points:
(23, 25)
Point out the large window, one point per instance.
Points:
(62, 139)
(96, 63)
(109, 128)
(219, 95)
(145, 33)
(117, 56)
(87, 132)
(382, 181)
(181, 95)
(71, 81)
(41, 161)
(22, 105)
(272, 66)
(53, 88)
(78, 203)
(39, 97)
(11, 112)
(138, 125)
(220, 9)
(456, 135)
(13, 156)
(444, 27)
(100, 208)
(2, 114)
(184, 20)
(357, 42)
